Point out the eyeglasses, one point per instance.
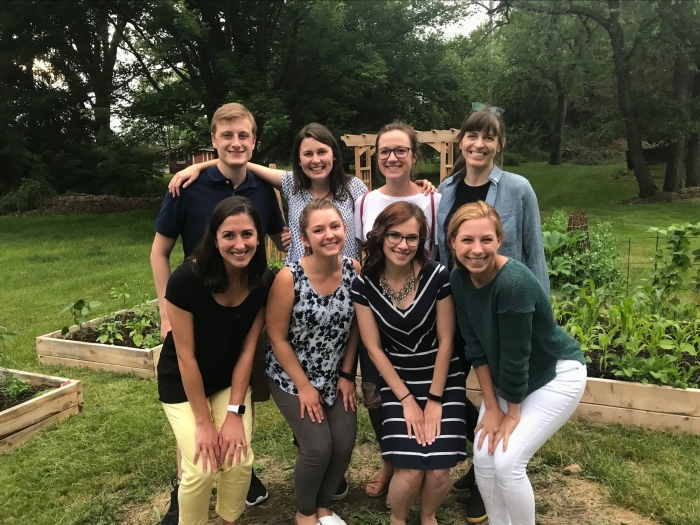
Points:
(401, 152)
(494, 110)
(395, 238)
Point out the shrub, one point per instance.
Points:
(572, 265)
(513, 159)
(30, 195)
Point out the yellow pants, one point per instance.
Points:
(194, 493)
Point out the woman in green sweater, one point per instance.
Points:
(532, 373)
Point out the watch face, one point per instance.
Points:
(241, 409)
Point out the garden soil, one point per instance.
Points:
(561, 499)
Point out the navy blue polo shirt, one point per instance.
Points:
(187, 215)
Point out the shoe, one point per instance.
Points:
(466, 483)
(257, 493)
(342, 491)
(475, 512)
(378, 485)
(331, 520)
(172, 516)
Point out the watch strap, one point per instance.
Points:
(236, 409)
(433, 397)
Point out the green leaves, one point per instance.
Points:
(80, 310)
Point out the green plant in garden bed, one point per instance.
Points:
(632, 337)
(137, 328)
(570, 263)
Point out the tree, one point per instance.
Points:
(609, 16)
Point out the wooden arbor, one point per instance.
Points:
(443, 140)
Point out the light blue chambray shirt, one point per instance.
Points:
(516, 203)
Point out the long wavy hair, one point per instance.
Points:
(337, 177)
(486, 122)
(373, 247)
(208, 263)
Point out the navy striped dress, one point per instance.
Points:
(409, 338)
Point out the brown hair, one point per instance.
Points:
(373, 247)
(232, 111)
(473, 210)
(312, 206)
(337, 178)
(484, 121)
(408, 130)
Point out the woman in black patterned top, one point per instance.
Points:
(313, 336)
(404, 308)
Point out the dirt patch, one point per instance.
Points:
(69, 204)
(686, 194)
(8, 401)
(560, 500)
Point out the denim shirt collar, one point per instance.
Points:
(448, 189)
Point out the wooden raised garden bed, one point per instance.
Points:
(21, 422)
(649, 406)
(53, 349)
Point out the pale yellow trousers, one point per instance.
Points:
(194, 493)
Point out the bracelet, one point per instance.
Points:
(347, 375)
(404, 397)
(433, 397)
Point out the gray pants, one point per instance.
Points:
(326, 449)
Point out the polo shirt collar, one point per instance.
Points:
(215, 175)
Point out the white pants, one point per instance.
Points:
(501, 477)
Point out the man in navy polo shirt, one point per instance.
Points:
(233, 135)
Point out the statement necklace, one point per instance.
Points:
(399, 296)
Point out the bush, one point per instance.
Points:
(570, 264)
(513, 159)
(30, 195)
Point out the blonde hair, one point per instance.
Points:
(312, 206)
(473, 210)
(232, 111)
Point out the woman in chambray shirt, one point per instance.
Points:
(477, 176)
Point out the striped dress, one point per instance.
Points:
(409, 338)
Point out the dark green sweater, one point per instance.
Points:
(508, 324)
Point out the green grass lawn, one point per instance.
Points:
(91, 468)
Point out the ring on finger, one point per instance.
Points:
(239, 445)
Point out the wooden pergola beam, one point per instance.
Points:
(442, 140)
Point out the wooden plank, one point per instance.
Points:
(39, 408)
(20, 438)
(365, 139)
(147, 373)
(33, 378)
(653, 398)
(438, 135)
(621, 394)
(642, 418)
(97, 352)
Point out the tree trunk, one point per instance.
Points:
(557, 138)
(647, 188)
(692, 163)
(675, 165)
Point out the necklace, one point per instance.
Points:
(405, 291)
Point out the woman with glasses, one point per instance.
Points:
(397, 150)
(476, 176)
(404, 308)
(317, 173)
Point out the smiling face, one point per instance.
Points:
(401, 253)
(394, 168)
(325, 234)
(475, 246)
(315, 158)
(234, 141)
(479, 148)
(237, 240)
